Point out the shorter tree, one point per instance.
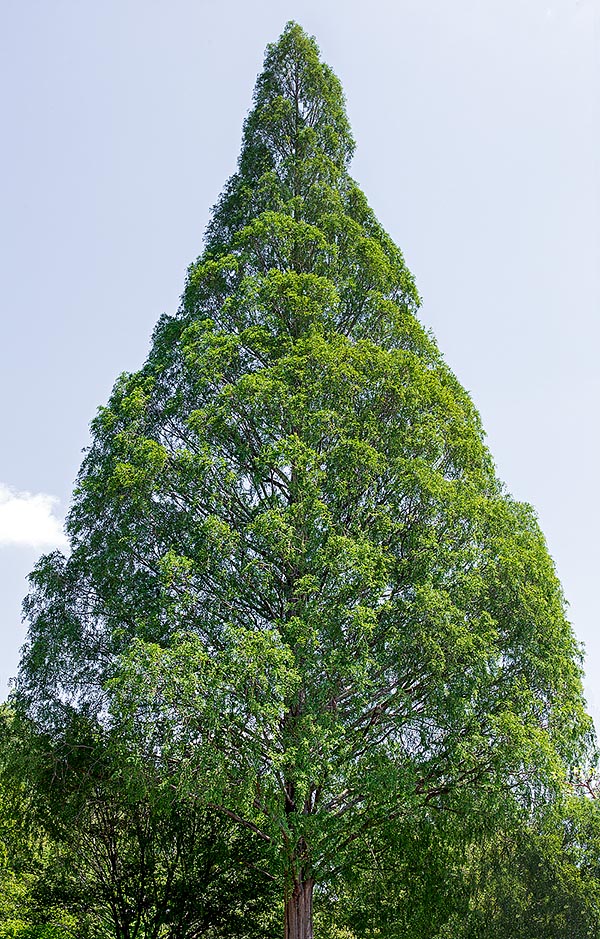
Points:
(38, 892)
(492, 868)
(539, 879)
(124, 854)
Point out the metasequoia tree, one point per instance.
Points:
(295, 583)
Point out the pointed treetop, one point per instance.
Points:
(299, 104)
(296, 137)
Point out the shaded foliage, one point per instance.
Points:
(104, 852)
(491, 870)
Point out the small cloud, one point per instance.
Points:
(27, 520)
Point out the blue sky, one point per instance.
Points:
(477, 127)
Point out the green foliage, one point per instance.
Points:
(296, 589)
(36, 890)
(536, 880)
(127, 857)
(486, 869)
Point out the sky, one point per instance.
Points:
(478, 142)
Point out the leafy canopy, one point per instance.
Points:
(295, 583)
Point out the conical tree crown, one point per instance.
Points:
(299, 112)
(293, 244)
(290, 554)
(297, 140)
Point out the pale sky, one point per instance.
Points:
(478, 145)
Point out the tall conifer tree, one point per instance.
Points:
(295, 582)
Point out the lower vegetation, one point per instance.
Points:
(90, 851)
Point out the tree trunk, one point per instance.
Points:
(299, 911)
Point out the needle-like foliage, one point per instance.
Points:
(295, 581)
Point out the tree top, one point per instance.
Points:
(296, 139)
(298, 95)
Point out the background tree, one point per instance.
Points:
(38, 892)
(535, 879)
(296, 587)
(492, 869)
(100, 850)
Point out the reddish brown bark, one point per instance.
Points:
(299, 911)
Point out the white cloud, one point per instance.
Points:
(27, 520)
